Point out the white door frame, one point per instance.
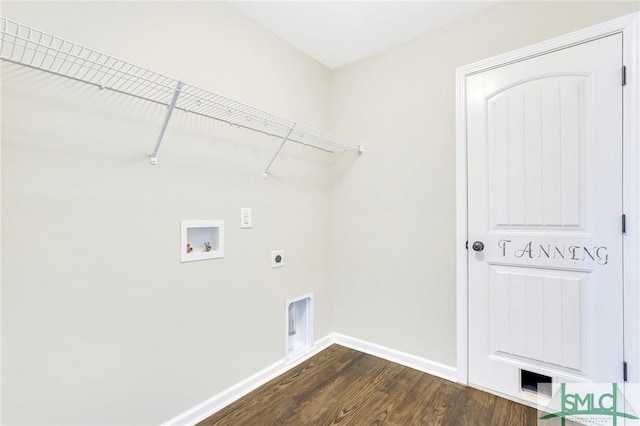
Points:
(629, 27)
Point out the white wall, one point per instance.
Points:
(101, 323)
(393, 210)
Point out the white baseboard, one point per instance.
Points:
(422, 364)
(240, 389)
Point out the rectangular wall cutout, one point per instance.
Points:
(298, 326)
(201, 240)
(536, 383)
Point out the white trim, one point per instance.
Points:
(631, 195)
(240, 389)
(622, 24)
(417, 363)
(237, 391)
(462, 307)
(628, 26)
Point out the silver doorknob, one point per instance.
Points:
(478, 246)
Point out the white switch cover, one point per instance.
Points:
(277, 258)
(245, 217)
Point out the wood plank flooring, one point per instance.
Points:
(340, 386)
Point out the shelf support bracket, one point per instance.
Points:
(171, 107)
(286, 138)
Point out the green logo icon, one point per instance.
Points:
(587, 406)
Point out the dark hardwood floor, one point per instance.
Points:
(340, 386)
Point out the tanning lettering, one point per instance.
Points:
(530, 250)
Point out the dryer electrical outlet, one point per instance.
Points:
(277, 258)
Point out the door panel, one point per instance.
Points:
(537, 316)
(535, 147)
(545, 197)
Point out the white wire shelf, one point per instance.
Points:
(24, 45)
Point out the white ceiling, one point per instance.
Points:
(337, 33)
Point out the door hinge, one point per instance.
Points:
(624, 75)
(466, 245)
(624, 223)
(624, 371)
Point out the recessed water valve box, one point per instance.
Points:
(201, 240)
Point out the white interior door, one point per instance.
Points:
(545, 199)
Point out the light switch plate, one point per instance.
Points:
(245, 217)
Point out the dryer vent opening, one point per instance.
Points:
(298, 326)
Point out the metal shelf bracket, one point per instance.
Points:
(286, 138)
(171, 107)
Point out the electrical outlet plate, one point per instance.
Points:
(277, 258)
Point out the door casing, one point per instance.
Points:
(629, 27)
